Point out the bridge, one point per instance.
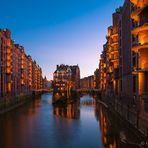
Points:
(39, 91)
(88, 90)
(83, 91)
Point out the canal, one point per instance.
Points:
(83, 124)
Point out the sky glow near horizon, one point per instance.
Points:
(60, 31)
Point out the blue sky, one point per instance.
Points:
(60, 31)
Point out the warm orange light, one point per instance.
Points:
(141, 83)
(9, 87)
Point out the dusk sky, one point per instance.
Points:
(60, 31)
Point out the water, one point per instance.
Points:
(80, 125)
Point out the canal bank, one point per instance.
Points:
(9, 103)
(130, 116)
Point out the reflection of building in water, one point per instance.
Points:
(58, 96)
(70, 111)
(108, 137)
(115, 133)
(62, 97)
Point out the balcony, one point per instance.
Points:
(22, 67)
(115, 59)
(140, 3)
(138, 47)
(114, 35)
(114, 43)
(8, 51)
(110, 70)
(22, 82)
(8, 65)
(8, 58)
(139, 29)
(135, 14)
(114, 51)
(143, 67)
(8, 70)
(134, 1)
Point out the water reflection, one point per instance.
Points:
(58, 96)
(63, 107)
(114, 133)
(71, 125)
(13, 125)
(61, 97)
(108, 138)
(70, 111)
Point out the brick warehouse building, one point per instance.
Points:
(17, 70)
(123, 68)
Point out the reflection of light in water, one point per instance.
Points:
(113, 145)
(108, 140)
(70, 111)
(57, 94)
